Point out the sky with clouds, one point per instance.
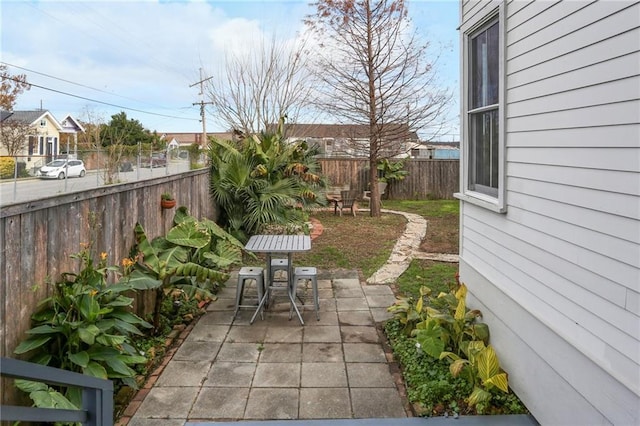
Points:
(143, 57)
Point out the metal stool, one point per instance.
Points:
(249, 273)
(307, 273)
(279, 265)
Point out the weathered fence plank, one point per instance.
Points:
(437, 179)
(37, 238)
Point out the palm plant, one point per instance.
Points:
(262, 180)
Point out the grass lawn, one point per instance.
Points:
(365, 243)
(348, 242)
(443, 222)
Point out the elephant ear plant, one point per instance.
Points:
(194, 256)
(445, 329)
(86, 326)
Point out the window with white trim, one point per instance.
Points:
(482, 167)
(483, 110)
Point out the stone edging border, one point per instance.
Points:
(403, 251)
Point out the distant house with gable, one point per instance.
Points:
(352, 140)
(41, 133)
(185, 139)
(69, 134)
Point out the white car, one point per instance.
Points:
(58, 169)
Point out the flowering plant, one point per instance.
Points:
(86, 325)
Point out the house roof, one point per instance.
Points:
(28, 117)
(335, 131)
(70, 124)
(344, 131)
(436, 144)
(189, 138)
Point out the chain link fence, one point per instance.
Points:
(96, 168)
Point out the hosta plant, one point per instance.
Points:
(410, 311)
(455, 325)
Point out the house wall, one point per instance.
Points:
(38, 158)
(46, 133)
(558, 275)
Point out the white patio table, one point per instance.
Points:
(279, 244)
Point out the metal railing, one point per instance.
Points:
(97, 395)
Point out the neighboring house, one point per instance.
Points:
(173, 144)
(69, 134)
(348, 140)
(42, 139)
(550, 200)
(436, 151)
(185, 140)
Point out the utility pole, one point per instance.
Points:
(202, 103)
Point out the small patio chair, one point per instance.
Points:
(382, 187)
(279, 265)
(348, 201)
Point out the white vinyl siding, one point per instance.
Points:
(567, 251)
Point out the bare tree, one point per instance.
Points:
(14, 136)
(376, 71)
(10, 87)
(13, 133)
(92, 121)
(256, 89)
(108, 144)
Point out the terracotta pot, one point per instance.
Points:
(168, 204)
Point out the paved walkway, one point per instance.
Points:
(276, 369)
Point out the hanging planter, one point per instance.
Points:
(167, 201)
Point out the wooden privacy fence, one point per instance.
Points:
(37, 238)
(427, 179)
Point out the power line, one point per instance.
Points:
(105, 29)
(70, 82)
(102, 102)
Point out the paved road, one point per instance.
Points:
(33, 189)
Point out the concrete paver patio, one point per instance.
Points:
(278, 369)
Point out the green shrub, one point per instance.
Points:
(7, 167)
(430, 385)
(194, 256)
